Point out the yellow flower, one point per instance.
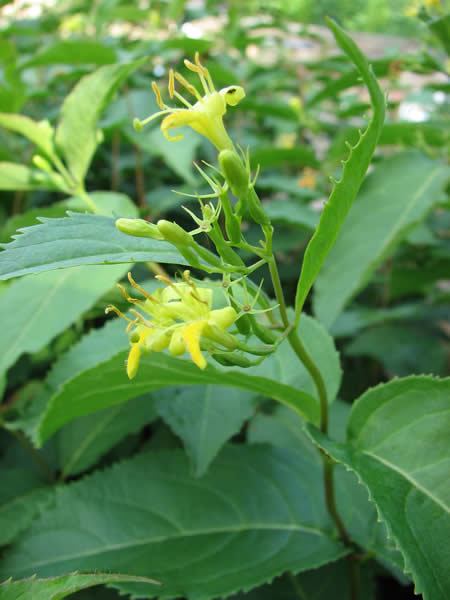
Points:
(179, 318)
(205, 116)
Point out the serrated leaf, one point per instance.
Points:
(56, 588)
(76, 135)
(329, 582)
(46, 304)
(79, 239)
(204, 417)
(78, 391)
(257, 513)
(398, 445)
(396, 196)
(14, 176)
(283, 429)
(22, 496)
(345, 190)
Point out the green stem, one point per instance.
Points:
(89, 202)
(328, 464)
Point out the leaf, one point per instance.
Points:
(257, 513)
(330, 581)
(179, 157)
(46, 304)
(275, 157)
(56, 588)
(76, 135)
(72, 52)
(23, 496)
(15, 177)
(79, 239)
(39, 133)
(82, 442)
(412, 349)
(92, 376)
(108, 204)
(291, 213)
(345, 190)
(283, 429)
(204, 417)
(398, 445)
(396, 196)
(107, 385)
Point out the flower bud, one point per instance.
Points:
(263, 333)
(139, 228)
(231, 359)
(234, 172)
(174, 234)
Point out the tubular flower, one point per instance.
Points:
(205, 116)
(179, 318)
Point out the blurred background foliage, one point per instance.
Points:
(384, 292)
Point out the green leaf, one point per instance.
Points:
(398, 445)
(39, 133)
(257, 513)
(204, 417)
(92, 376)
(329, 582)
(275, 157)
(395, 197)
(283, 429)
(72, 52)
(79, 239)
(76, 135)
(23, 496)
(108, 204)
(56, 588)
(83, 441)
(107, 385)
(46, 305)
(291, 212)
(14, 176)
(345, 190)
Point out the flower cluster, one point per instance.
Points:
(179, 318)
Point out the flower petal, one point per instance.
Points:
(134, 357)
(191, 335)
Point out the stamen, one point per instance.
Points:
(205, 72)
(156, 91)
(111, 308)
(171, 85)
(199, 70)
(141, 289)
(185, 83)
(141, 319)
(127, 297)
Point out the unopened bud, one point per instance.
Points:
(231, 359)
(234, 172)
(174, 234)
(139, 228)
(263, 333)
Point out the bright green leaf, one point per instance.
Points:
(57, 588)
(257, 513)
(72, 52)
(43, 306)
(345, 190)
(76, 135)
(14, 176)
(39, 133)
(398, 445)
(396, 196)
(79, 239)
